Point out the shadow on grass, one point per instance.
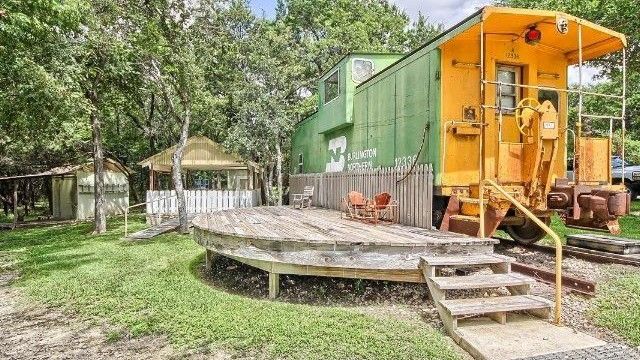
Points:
(234, 277)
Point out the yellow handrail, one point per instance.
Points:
(543, 226)
(126, 213)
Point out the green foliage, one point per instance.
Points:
(153, 288)
(329, 29)
(40, 97)
(621, 16)
(242, 81)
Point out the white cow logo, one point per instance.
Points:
(337, 148)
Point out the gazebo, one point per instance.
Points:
(214, 179)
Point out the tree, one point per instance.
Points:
(329, 29)
(422, 31)
(40, 98)
(270, 99)
(618, 15)
(104, 57)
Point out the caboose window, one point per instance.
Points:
(331, 87)
(362, 70)
(551, 95)
(507, 95)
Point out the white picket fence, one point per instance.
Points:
(163, 202)
(413, 189)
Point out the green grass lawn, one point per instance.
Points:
(153, 288)
(617, 305)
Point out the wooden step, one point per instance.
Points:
(469, 218)
(478, 306)
(466, 260)
(469, 200)
(481, 281)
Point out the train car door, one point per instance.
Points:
(510, 140)
(507, 98)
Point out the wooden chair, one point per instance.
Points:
(355, 205)
(305, 197)
(383, 208)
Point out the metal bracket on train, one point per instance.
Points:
(590, 207)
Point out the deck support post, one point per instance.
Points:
(209, 258)
(274, 285)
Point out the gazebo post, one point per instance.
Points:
(151, 178)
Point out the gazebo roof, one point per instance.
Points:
(201, 153)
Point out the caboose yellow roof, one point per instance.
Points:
(596, 40)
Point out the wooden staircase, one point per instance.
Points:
(494, 307)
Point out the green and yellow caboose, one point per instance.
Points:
(484, 102)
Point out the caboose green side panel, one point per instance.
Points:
(337, 113)
(383, 120)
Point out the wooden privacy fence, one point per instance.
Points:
(414, 194)
(201, 201)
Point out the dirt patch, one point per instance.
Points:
(36, 332)
(402, 300)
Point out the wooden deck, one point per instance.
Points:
(283, 240)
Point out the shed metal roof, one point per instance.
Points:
(109, 164)
(201, 153)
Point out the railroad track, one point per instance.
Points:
(580, 253)
(575, 284)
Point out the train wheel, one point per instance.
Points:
(527, 233)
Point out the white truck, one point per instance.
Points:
(631, 174)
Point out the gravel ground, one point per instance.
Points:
(575, 306)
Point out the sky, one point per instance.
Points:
(446, 12)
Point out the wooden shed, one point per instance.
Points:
(72, 189)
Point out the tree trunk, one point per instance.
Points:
(100, 217)
(279, 171)
(265, 186)
(176, 172)
(270, 184)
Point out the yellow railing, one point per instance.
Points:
(543, 226)
(126, 213)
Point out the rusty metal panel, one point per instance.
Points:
(594, 160)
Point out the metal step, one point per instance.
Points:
(489, 305)
(481, 281)
(466, 260)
